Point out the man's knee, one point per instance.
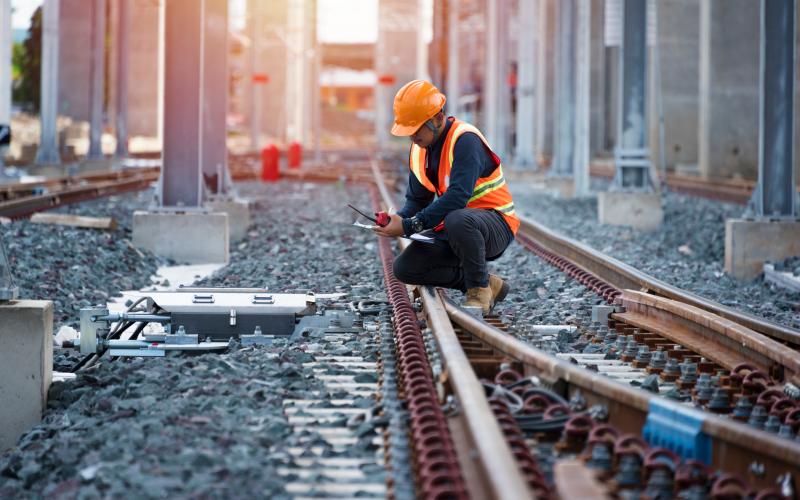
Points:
(401, 269)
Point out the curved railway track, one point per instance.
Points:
(652, 439)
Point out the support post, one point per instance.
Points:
(5, 76)
(632, 157)
(453, 74)
(47, 153)
(545, 87)
(564, 65)
(256, 72)
(497, 96)
(214, 161)
(583, 97)
(123, 70)
(774, 203)
(97, 80)
(526, 57)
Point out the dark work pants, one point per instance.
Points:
(458, 258)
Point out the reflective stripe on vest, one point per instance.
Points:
(490, 192)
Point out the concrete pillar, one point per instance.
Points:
(583, 74)
(193, 31)
(631, 201)
(728, 132)
(97, 80)
(678, 49)
(257, 74)
(597, 102)
(395, 57)
(564, 64)
(774, 201)
(215, 96)
(497, 93)
(5, 74)
(123, 53)
(47, 154)
(526, 99)
(26, 366)
(143, 83)
(453, 90)
(297, 77)
(545, 80)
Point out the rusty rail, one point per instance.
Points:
(623, 276)
(734, 446)
(91, 186)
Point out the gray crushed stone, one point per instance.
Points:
(76, 267)
(687, 251)
(208, 426)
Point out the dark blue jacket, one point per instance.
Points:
(471, 161)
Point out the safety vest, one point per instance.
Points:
(490, 192)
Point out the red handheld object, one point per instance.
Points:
(382, 219)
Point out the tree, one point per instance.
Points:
(27, 59)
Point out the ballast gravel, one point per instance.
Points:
(209, 426)
(687, 251)
(79, 267)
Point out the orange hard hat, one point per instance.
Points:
(415, 103)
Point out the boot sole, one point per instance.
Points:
(502, 293)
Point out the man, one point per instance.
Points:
(456, 188)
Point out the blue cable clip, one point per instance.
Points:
(678, 428)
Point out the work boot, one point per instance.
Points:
(499, 288)
(479, 297)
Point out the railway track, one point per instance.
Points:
(736, 191)
(25, 198)
(588, 429)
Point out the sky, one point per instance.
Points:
(340, 21)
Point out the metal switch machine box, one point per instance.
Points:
(222, 313)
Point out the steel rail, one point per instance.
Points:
(499, 467)
(624, 276)
(19, 189)
(734, 446)
(27, 205)
(500, 470)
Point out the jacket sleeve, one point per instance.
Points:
(468, 161)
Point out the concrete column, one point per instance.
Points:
(26, 366)
(497, 95)
(526, 99)
(395, 57)
(97, 80)
(47, 154)
(679, 53)
(776, 195)
(774, 201)
(453, 63)
(123, 58)
(564, 64)
(728, 132)
(631, 201)
(257, 71)
(215, 95)
(597, 84)
(5, 72)
(631, 155)
(583, 75)
(545, 79)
